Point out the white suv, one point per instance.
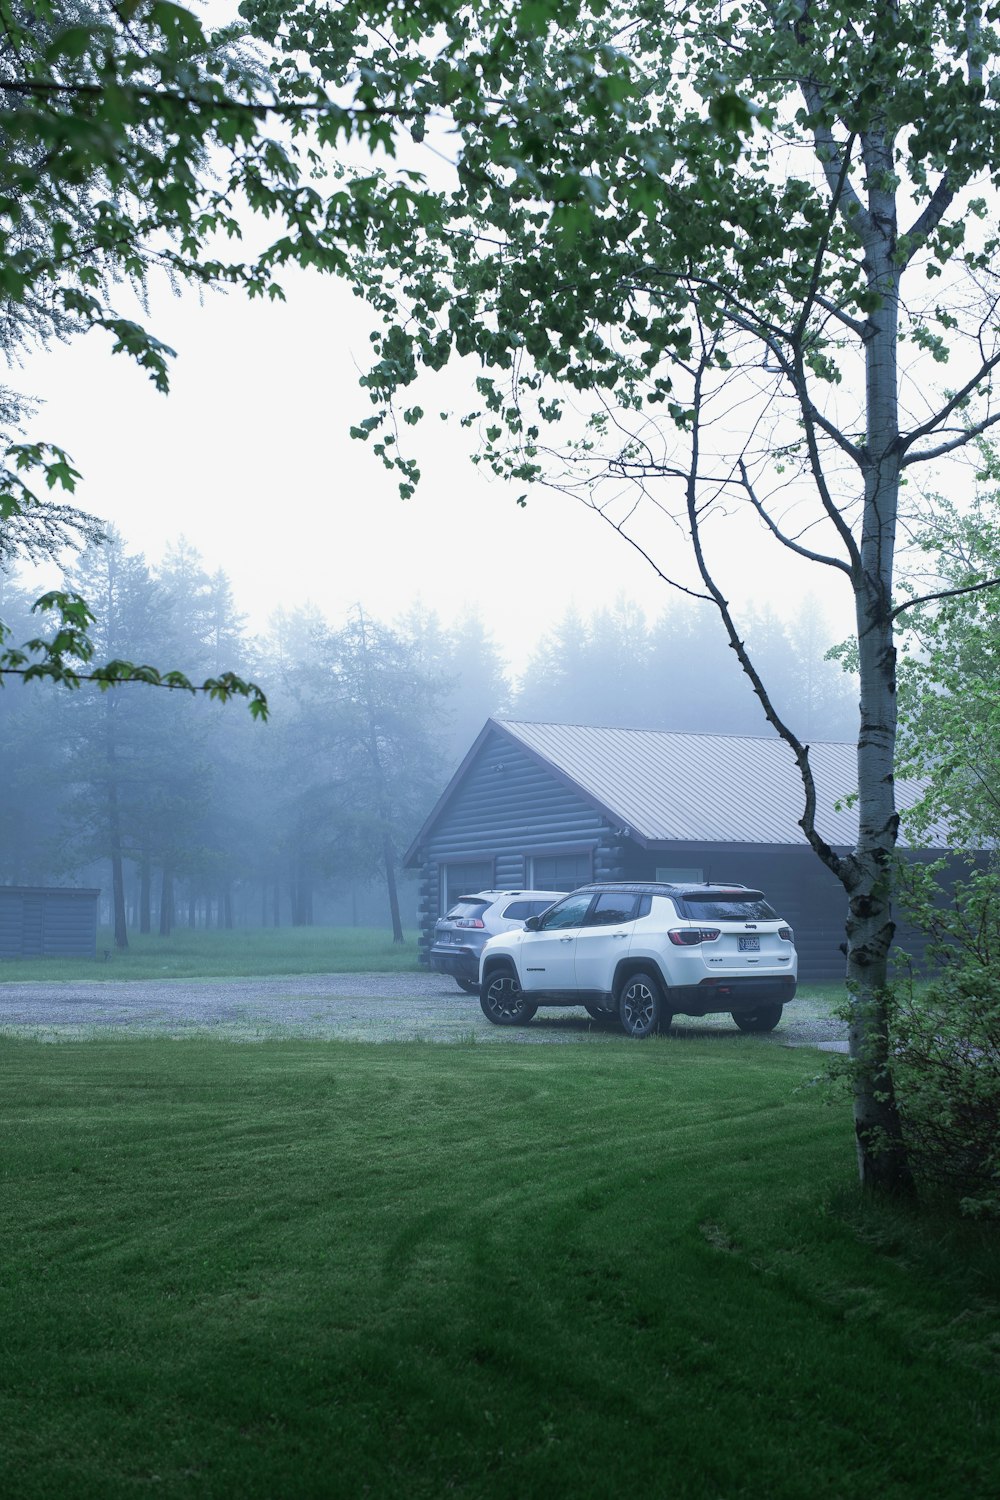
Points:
(640, 952)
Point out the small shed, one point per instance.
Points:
(38, 921)
(554, 806)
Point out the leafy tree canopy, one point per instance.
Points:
(725, 195)
(135, 139)
(949, 707)
(701, 298)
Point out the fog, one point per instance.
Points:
(251, 534)
(188, 812)
(250, 458)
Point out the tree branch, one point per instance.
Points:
(836, 863)
(810, 297)
(969, 588)
(221, 104)
(787, 541)
(771, 336)
(951, 406)
(854, 324)
(957, 442)
(931, 217)
(619, 528)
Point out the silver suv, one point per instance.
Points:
(639, 952)
(459, 936)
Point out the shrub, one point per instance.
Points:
(946, 1039)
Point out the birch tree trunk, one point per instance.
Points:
(869, 875)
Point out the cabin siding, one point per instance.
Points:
(47, 922)
(507, 803)
(799, 887)
(507, 808)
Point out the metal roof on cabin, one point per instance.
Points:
(705, 788)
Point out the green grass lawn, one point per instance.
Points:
(200, 953)
(311, 1269)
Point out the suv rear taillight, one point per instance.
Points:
(786, 934)
(469, 922)
(690, 937)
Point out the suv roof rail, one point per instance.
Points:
(667, 887)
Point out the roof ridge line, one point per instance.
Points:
(691, 734)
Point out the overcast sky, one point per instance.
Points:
(250, 459)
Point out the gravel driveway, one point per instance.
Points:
(358, 1007)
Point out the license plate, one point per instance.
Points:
(748, 944)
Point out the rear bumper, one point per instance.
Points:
(460, 963)
(721, 994)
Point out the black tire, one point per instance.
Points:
(503, 1001)
(602, 1017)
(470, 986)
(764, 1018)
(640, 1006)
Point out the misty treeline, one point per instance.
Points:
(186, 812)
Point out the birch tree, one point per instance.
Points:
(762, 281)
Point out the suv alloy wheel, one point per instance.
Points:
(503, 1001)
(640, 1006)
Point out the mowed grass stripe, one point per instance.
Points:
(307, 1268)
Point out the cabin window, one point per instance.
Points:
(680, 875)
(561, 872)
(464, 880)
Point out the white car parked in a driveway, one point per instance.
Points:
(642, 952)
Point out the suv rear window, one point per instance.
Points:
(717, 906)
(467, 909)
(519, 911)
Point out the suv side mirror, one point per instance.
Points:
(531, 923)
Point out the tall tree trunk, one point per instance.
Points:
(117, 872)
(166, 902)
(882, 1158)
(226, 906)
(389, 863)
(145, 895)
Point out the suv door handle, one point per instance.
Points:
(566, 940)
